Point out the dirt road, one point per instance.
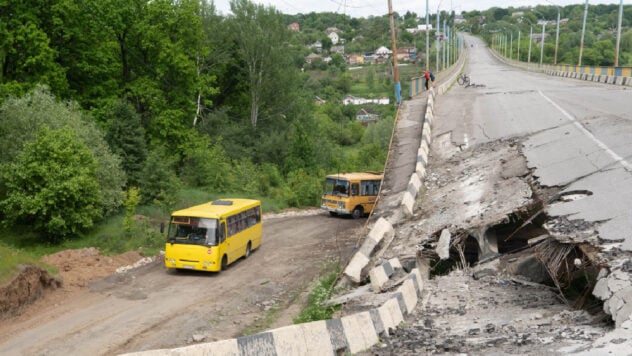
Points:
(150, 307)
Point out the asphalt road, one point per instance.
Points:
(576, 135)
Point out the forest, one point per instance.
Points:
(112, 109)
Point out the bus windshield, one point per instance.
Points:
(193, 231)
(336, 187)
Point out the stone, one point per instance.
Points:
(443, 246)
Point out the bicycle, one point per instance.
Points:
(463, 80)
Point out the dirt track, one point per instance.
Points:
(149, 307)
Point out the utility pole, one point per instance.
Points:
(427, 38)
(616, 49)
(398, 88)
(437, 43)
(557, 35)
(530, 39)
(518, 45)
(581, 43)
(542, 44)
(444, 45)
(511, 45)
(448, 45)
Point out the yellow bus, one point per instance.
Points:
(352, 194)
(211, 236)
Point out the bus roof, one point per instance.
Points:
(357, 176)
(217, 208)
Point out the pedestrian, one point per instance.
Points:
(427, 78)
(432, 78)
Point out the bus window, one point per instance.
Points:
(354, 189)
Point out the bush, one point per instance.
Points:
(52, 185)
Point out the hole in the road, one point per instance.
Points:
(517, 232)
(572, 270)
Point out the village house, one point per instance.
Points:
(366, 117)
(294, 26)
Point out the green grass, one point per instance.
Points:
(11, 259)
(315, 309)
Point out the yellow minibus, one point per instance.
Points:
(211, 236)
(352, 194)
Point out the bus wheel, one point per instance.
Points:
(358, 212)
(248, 250)
(333, 213)
(224, 263)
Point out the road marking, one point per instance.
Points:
(581, 127)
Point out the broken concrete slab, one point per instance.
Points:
(443, 246)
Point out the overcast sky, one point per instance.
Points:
(365, 8)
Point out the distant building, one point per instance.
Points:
(517, 14)
(319, 101)
(419, 28)
(352, 100)
(294, 26)
(355, 59)
(318, 46)
(311, 57)
(366, 117)
(383, 51)
(338, 49)
(458, 19)
(334, 37)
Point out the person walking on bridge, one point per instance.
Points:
(427, 78)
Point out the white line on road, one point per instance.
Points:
(581, 127)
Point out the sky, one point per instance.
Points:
(366, 8)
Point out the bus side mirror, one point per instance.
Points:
(162, 228)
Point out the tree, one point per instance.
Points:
(260, 35)
(21, 118)
(126, 138)
(52, 186)
(160, 183)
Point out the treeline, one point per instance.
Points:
(599, 36)
(103, 99)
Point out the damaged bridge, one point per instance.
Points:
(520, 219)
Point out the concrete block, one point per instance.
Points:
(443, 246)
(377, 321)
(414, 184)
(409, 293)
(337, 336)
(381, 228)
(354, 269)
(395, 264)
(408, 204)
(416, 274)
(616, 284)
(378, 278)
(359, 331)
(303, 339)
(256, 344)
(624, 315)
(420, 169)
(390, 314)
(601, 290)
(618, 80)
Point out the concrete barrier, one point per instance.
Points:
(353, 271)
(350, 334)
(381, 274)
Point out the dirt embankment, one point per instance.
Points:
(77, 268)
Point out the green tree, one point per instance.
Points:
(126, 138)
(52, 186)
(26, 56)
(206, 164)
(261, 35)
(21, 118)
(160, 183)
